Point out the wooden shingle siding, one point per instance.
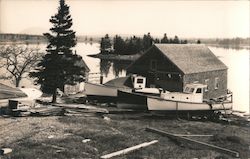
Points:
(166, 76)
(201, 77)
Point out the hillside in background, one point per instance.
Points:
(27, 38)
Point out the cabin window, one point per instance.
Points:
(186, 89)
(139, 80)
(191, 90)
(153, 64)
(206, 83)
(216, 83)
(198, 90)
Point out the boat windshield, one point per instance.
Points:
(189, 90)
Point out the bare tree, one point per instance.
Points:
(18, 61)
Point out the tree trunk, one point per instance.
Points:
(54, 96)
(18, 81)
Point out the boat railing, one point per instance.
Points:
(221, 99)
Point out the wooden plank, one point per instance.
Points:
(82, 106)
(54, 146)
(217, 148)
(127, 150)
(193, 135)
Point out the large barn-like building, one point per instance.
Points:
(172, 66)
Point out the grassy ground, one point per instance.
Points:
(64, 136)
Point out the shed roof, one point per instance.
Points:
(191, 58)
(82, 63)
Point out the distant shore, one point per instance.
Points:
(115, 57)
(237, 47)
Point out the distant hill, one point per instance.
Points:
(8, 37)
(33, 31)
(28, 38)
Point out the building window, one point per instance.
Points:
(153, 64)
(206, 83)
(169, 75)
(216, 83)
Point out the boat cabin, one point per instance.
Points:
(192, 93)
(139, 82)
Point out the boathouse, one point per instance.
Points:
(172, 66)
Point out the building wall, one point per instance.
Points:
(166, 75)
(210, 76)
(169, 77)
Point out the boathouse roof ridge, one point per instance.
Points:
(191, 58)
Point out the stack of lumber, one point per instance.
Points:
(46, 111)
(81, 108)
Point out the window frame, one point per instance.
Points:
(216, 83)
(139, 80)
(206, 83)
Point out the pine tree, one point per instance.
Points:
(147, 41)
(59, 66)
(176, 40)
(164, 40)
(119, 45)
(105, 45)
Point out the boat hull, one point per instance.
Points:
(130, 100)
(102, 92)
(168, 105)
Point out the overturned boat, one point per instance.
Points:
(191, 99)
(24, 95)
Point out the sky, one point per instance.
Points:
(189, 19)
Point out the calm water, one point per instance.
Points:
(237, 62)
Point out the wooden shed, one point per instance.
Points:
(172, 66)
(79, 87)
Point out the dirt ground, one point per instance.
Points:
(91, 136)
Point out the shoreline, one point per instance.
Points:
(116, 57)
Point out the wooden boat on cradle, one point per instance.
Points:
(189, 100)
(137, 99)
(109, 91)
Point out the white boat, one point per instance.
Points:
(109, 90)
(97, 91)
(189, 100)
(136, 99)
